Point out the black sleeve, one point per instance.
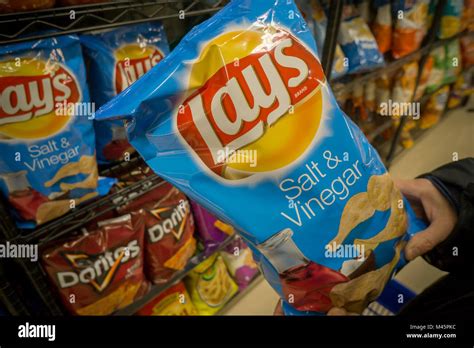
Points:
(456, 182)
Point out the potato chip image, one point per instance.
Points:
(379, 190)
(357, 210)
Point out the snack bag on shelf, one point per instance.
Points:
(370, 93)
(241, 118)
(424, 78)
(461, 89)
(467, 19)
(320, 24)
(210, 231)
(467, 51)
(169, 231)
(210, 285)
(100, 271)
(358, 108)
(117, 58)
(382, 26)
(238, 259)
(383, 91)
(358, 42)
(434, 108)
(404, 88)
(411, 26)
(436, 77)
(453, 63)
(451, 18)
(47, 142)
(173, 301)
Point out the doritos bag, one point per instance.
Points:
(101, 271)
(210, 285)
(46, 134)
(117, 58)
(358, 42)
(241, 118)
(169, 229)
(173, 301)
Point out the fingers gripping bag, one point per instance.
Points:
(241, 119)
(46, 133)
(116, 59)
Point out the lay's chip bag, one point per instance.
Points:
(46, 132)
(116, 59)
(241, 118)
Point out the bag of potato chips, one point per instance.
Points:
(47, 142)
(173, 301)
(100, 271)
(117, 58)
(210, 285)
(241, 118)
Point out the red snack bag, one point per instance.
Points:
(100, 271)
(169, 240)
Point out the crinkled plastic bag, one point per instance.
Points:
(241, 118)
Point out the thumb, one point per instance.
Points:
(424, 241)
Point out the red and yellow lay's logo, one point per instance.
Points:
(253, 90)
(30, 89)
(132, 62)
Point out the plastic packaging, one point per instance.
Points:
(358, 43)
(382, 26)
(410, 27)
(173, 301)
(451, 18)
(241, 118)
(210, 285)
(100, 271)
(47, 141)
(116, 59)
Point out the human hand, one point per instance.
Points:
(430, 204)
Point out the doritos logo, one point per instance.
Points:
(96, 270)
(172, 220)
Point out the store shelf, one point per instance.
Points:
(24, 26)
(345, 84)
(157, 289)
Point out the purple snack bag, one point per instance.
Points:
(239, 261)
(206, 228)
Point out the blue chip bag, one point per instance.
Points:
(358, 42)
(241, 118)
(116, 59)
(47, 138)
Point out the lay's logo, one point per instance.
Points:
(33, 88)
(132, 62)
(265, 98)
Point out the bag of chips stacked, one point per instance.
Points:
(100, 271)
(116, 59)
(210, 285)
(48, 163)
